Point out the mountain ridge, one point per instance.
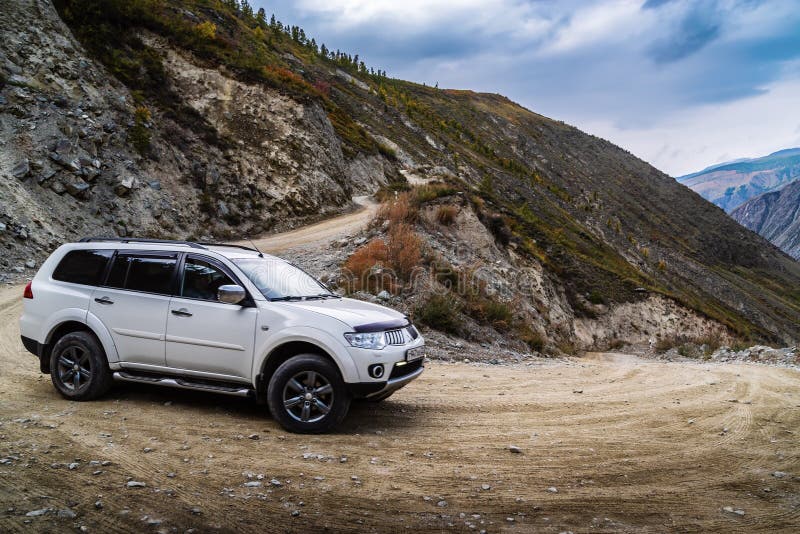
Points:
(732, 183)
(717, 166)
(775, 216)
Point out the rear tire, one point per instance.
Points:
(307, 395)
(79, 368)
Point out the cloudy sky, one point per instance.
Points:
(682, 84)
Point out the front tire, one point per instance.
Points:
(79, 368)
(307, 395)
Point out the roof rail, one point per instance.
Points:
(243, 247)
(191, 244)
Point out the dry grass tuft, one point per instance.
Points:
(399, 210)
(446, 214)
(383, 265)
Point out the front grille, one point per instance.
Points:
(395, 337)
(407, 369)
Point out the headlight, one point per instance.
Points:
(366, 340)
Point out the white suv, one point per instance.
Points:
(216, 318)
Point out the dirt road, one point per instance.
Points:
(608, 443)
(626, 444)
(321, 232)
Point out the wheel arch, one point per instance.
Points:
(57, 332)
(284, 352)
(73, 325)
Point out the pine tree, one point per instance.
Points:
(273, 22)
(262, 17)
(323, 51)
(247, 10)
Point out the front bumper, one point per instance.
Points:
(393, 384)
(399, 377)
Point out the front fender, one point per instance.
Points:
(314, 336)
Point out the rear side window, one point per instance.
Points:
(151, 274)
(83, 267)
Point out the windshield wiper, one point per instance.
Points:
(286, 298)
(320, 296)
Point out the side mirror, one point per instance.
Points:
(231, 294)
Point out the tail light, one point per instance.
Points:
(28, 294)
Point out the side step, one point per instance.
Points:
(183, 383)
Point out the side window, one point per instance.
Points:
(119, 272)
(83, 267)
(151, 274)
(202, 279)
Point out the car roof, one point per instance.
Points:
(231, 252)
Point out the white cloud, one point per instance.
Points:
(516, 18)
(606, 22)
(698, 137)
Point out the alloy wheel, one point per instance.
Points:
(308, 396)
(75, 368)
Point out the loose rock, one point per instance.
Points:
(37, 513)
(21, 169)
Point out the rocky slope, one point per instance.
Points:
(190, 119)
(70, 169)
(775, 216)
(731, 184)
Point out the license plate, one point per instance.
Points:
(414, 354)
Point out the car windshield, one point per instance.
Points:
(280, 280)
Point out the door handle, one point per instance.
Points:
(104, 300)
(183, 312)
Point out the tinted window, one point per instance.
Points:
(83, 266)
(142, 273)
(201, 279)
(118, 273)
(153, 275)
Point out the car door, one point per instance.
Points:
(133, 302)
(206, 335)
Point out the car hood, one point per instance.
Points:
(359, 315)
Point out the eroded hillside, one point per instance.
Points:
(192, 119)
(775, 216)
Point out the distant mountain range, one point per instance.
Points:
(776, 216)
(731, 184)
